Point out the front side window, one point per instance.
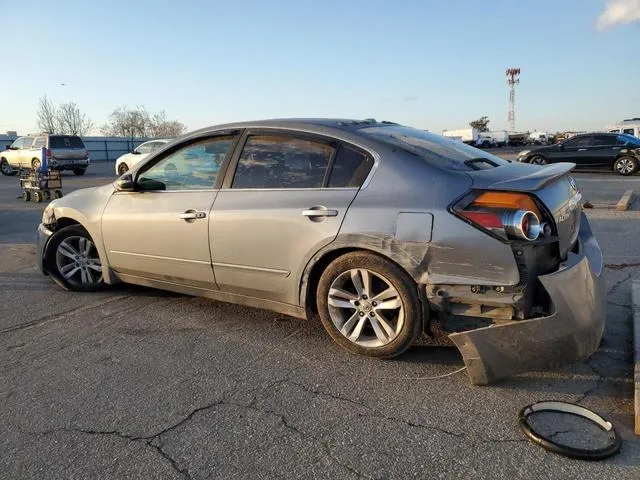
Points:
(18, 143)
(144, 148)
(193, 167)
(350, 168)
(579, 142)
(282, 161)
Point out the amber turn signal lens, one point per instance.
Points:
(506, 201)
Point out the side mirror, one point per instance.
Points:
(11, 147)
(135, 152)
(125, 183)
(560, 146)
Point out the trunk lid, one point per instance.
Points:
(552, 185)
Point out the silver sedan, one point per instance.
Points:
(384, 232)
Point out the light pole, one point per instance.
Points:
(513, 79)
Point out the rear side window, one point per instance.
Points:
(350, 168)
(27, 142)
(40, 142)
(628, 131)
(604, 140)
(65, 141)
(282, 161)
(435, 149)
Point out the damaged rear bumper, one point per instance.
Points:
(571, 334)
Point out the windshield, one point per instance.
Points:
(631, 140)
(65, 141)
(441, 151)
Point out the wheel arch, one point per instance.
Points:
(321, 260)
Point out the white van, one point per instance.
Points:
(630, 127)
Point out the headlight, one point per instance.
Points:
(48, 217)
(524, 152)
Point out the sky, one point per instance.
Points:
(426, 63)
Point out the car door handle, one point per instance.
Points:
(192, 215)
(582, 149)
(320, 212)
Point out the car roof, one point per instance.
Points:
(344, 124)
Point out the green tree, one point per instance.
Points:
(482, 124)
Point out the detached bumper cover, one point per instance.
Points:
(571, 334)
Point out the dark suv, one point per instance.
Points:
(620, 153)
(64, 152)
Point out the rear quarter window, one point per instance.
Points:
(350, 168)
(65, 141)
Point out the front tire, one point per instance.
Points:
(7, 169)
(538, 160)
(74, 259)
(626, 166)
(369, 305)
(122, 169)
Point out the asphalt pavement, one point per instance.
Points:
(139, 383)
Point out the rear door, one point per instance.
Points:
(604, 150)
(284, 198)
(25, 154)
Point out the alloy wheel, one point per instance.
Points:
(538, 161)
(78, 262)
(625, 166)
(366, 308)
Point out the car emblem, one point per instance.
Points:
(572, 185)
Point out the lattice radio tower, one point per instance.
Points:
(513, 79)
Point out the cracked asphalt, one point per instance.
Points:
(139, 383)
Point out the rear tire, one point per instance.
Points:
(57, 194)
(369, 305)
(26, 196)
(626, 166)
(79, 171)
(35, 165)
(74, 259)
(538, 160)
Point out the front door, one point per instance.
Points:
(282, 205)
(575, 150)
(161, 231)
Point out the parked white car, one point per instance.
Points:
(127, 161)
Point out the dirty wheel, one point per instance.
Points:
(36, 197)
(369, 305)
(7, 169)
(538, 160)
(35, 165)
(57, 194)
(46, 195)
(626, 166)
(75, 259)
(122, 169)
(26, 196)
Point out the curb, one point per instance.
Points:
(635, 299)
(625, 201)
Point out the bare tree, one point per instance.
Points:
(159, 126)
(138, 122)
(71, 121)
(47, 115)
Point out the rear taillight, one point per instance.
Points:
(49, 154)
(510, 216)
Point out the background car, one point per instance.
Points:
(620, 153)
(64, 152)
(126, 162)
(375, 227)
